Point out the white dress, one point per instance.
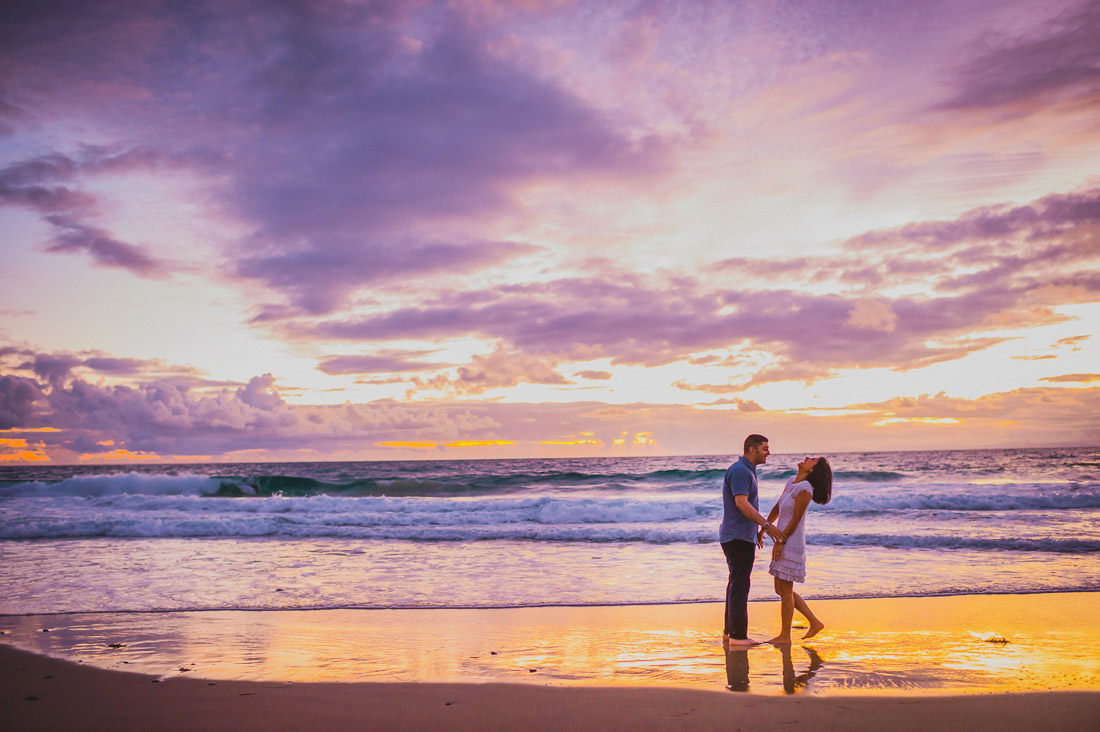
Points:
(791, 564)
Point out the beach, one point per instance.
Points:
(958, 590)
(973, 662)
(71, 697)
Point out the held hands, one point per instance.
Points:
(777, 536)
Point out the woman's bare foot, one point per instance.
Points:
(741, 642)
(779, 639)
(815, 628)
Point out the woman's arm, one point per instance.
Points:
(742, 503)
(801, 502)
(772, 516)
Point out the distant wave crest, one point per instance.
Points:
(474, 484)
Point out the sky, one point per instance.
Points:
(342, 230)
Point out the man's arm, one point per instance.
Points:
(742, 502)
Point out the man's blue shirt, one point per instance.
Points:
(740, 480)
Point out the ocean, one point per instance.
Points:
(538, 532)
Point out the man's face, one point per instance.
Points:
(758, 454)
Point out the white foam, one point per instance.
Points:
(115, 484)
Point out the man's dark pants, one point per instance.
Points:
(739, 558)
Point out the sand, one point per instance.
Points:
(899, 664)
(40, 693)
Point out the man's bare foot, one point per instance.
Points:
(741, 642)
(779, 639)
(815, 628)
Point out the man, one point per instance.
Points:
(738, 534)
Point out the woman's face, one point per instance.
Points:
(807, 464)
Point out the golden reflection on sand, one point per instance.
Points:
(910, 645)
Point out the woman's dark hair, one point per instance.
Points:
(821, 478)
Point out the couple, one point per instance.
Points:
(743, 529)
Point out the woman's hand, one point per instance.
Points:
(777, 551)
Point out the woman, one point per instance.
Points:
(814, 480)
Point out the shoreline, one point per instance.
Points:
(41, 693)
(537, 606)
(942, 645)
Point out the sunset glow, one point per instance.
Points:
(352, 231)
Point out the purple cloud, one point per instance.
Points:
(563, 319)
(260, 393)
(1025, 260)
(54, 368)
(116, 366)
(1059, 63)
(10, 117)
(1051, 216)
(501, 368)
(167, 418)
(18, 396)
(318, 279)
(438, 135)
(26, 184)
(386, 362)
(72, 236)
(58, 368)
(593, 375)
(361, 143)
(29, 184)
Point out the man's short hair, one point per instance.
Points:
(753, 440)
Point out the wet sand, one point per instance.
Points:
(40, 693)
(1000, 662)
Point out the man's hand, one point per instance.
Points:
(760, 538)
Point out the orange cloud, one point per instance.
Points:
(1073, 341)
(28, 455)
(106, 443)
(1073, 378)
(479, 443)
(25, 453)
(640, 438)
(31, 429)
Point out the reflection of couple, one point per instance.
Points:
(737, 668)
(743, 529)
